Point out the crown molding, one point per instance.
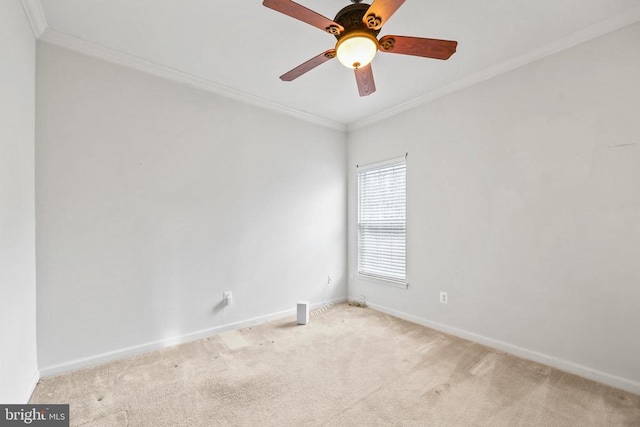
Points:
(617, 22)
(76, 44)
(35, 15)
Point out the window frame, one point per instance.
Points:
(376, 278)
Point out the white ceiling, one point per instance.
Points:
(242, 47)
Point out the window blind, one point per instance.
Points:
(382, 231)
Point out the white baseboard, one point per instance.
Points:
(560, 364)
(98, 359)
(32, 386)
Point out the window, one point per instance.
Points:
(382, 220)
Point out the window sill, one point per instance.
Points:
(380, 281)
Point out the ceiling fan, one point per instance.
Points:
(356, 27)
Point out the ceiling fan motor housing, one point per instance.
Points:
(351, 19)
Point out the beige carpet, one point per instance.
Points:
(348, 367)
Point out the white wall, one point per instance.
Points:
(524, 205)
(153, 198)
(18, 367)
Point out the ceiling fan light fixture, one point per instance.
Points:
(357, 49)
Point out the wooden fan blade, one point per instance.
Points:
(380, 12)
(309, 65)
(418, 46)
(364, 79)
(303, 14)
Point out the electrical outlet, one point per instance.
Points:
(444, 298)
(329, 280)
